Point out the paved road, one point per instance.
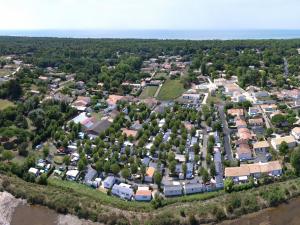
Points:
(204, 149)
(266, 118)
(226, 132)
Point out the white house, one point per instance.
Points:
(192, 188)
(72, 174)
(109, 182)
(296, 132)
(123, 191)
(33, 171)
(174, 189)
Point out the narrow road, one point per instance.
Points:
(158, 90)
(226, 132)
(204, 149)
(266, 118)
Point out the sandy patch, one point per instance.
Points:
(8, 203)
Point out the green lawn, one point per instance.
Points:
(170, 90)
(161, 74)
(5, 104)
(148, 92)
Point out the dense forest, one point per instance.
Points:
(90, 58)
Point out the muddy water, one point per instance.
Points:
(17, 212)
(25, 214)
(285, 214)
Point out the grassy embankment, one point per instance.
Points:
(80, 200)
(5, 104)
(171, 90)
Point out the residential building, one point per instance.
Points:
(261, 146)
(149, 174)
(244, 152)
(143, 194)
(123, 191)
(290, 140)
(174, 189)
(109, 182)
(192, 188)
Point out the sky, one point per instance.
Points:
(149, 14)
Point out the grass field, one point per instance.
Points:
(5, 104)
(4, 72)
(148, 92)
(170, 90)
(162, 74)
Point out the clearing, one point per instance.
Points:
(148, 92)
(5, 104)
(170, 90)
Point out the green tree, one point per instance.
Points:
(45, 152)
(7, 155)
(115, 168)
(295, 161)
(228, 185)
(157, 178)
(43, 179)
(283, 148)
(184, 169)
(67, 160)
(125, 173)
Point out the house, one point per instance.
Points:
(244, 134)
(149, 174)
(143, 194)
(132, 133)
(244, 152)
(240, 123)
(261, 146)
(231, 88)
(242, 173)
(33, 171)
(290, 140)
(237, 97)
(238, 174)
(253, 111)
(123, 191)
(191, 96)
(235, 112)
(97, 127)
(81, 103)
(269, 108)
(72, 175)
(90, 175)
(109, 182)
(256, 122)
(296, 133)
(113, 99)
(192, 188)
(174, 189)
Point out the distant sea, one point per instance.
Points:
(159, 34)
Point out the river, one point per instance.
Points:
(284, 214)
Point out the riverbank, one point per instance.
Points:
(86, 203)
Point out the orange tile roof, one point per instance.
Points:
(150, 171)
(143, 193)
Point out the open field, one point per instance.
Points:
(148, 92)
(170, 90)
(5, 104)
(4, 72)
